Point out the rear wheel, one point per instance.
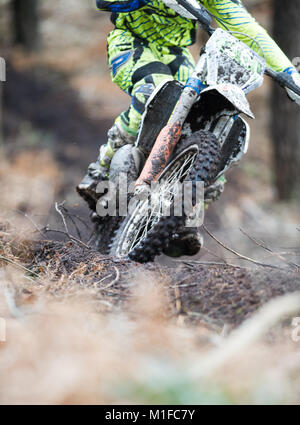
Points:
(145, 233)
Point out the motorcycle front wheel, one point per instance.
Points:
(147, 230)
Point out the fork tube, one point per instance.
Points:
(170, 134)
(168, 137)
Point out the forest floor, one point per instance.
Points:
(86, 328)
(82, 327)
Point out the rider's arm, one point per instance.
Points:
(119, 6)
(232, 15)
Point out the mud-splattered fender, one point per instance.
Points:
(234, 94)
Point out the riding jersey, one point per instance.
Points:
(154, 22)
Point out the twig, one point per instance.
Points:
(32, 222)
(57, 207)
(185, 285)
(114, 281)
(72, 218)
(91, 237)
(18, 265)
(266, 248)
(191, 266)
(47, 230)
(212, 263)
(77, 217)
(205, 263)
(67, 233)
(177, 299)
(102, 280)
(226, 330)
(74, 224)
(258, 263)
(213, 254)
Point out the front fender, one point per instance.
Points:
(234, 95)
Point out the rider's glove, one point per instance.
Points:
(295, 76)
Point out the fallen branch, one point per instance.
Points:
(243, 257)
(207, 263)
(266, 248)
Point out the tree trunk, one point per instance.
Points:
(25, 23)
(286, 114)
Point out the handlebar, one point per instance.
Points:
(284, 80)
(204, 18)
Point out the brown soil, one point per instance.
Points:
(212, 294)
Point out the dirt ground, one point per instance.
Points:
(83, 328)
(217, 294)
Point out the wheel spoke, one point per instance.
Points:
(146, 217)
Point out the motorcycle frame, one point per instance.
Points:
(170, 135)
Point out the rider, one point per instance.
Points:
(148, 46)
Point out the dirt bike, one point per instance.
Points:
(192, 132)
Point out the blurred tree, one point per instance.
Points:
(25, 23)
(286, 114)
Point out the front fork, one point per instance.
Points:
(170, 134)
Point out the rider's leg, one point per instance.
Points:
(137, 70)
(148, 66)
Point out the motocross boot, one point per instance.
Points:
(187, 241)
(99, 170)
(214, 191)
